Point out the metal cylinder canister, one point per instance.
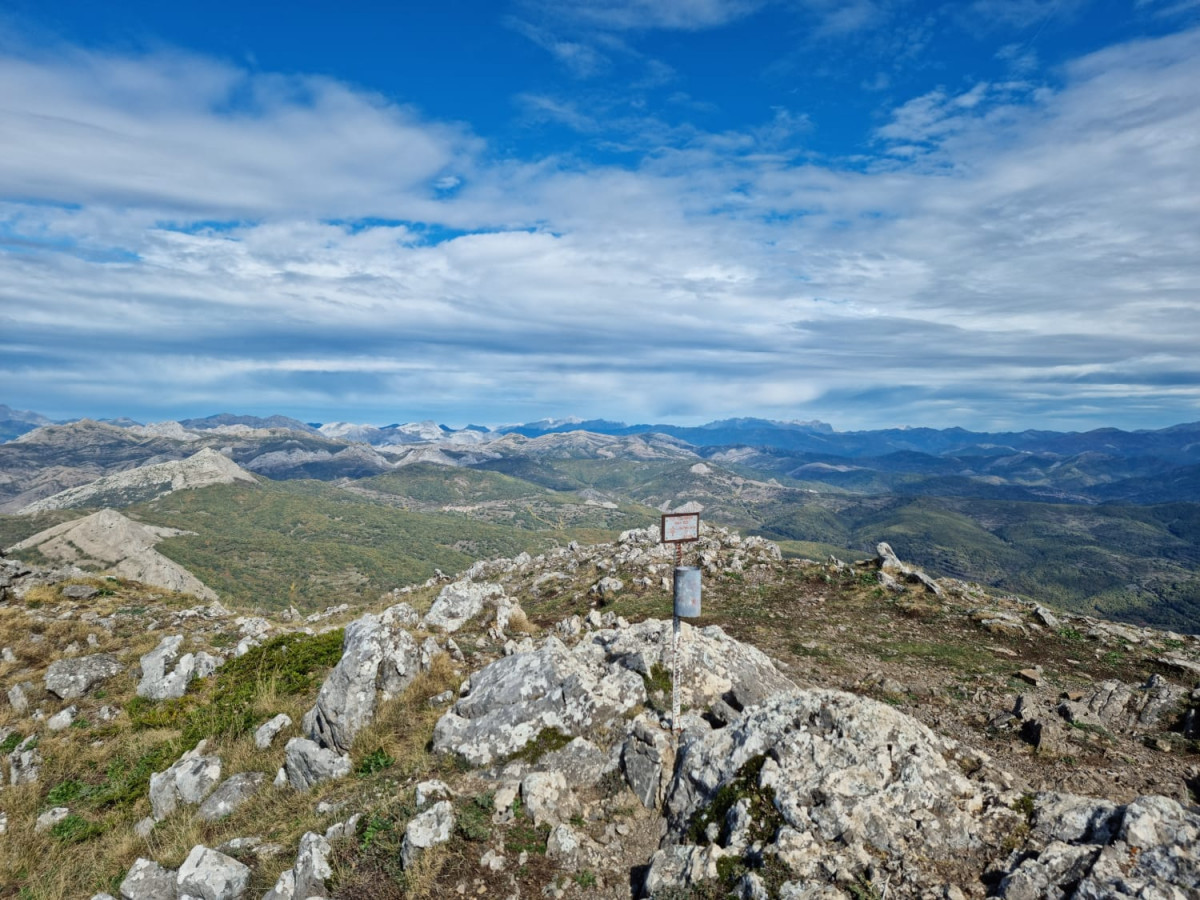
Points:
(687, 591)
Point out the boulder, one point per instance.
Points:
(377, 658)
(845, 780)
(458, 603)
(50, 818)
(147, 880)
(509, 703)
(1148, 848)
(268, 731)
(62, 719)
(1121, 707)
(427, 829)
(647, 758)
(309, 876)
(166, 674)
(308, 764)
(232, 793)
(69, 679)
(25, 762)
(188, 780)
(211, 875)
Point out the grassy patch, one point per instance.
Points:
(744, 785)
(547, 741)
(474, 817)
(75, 829)
(375, 761)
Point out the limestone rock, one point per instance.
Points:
(50, 818)
(850, 777)
(1121, 707)
(581, 762)
(211, 875)
(69, 679)
(428, 829)
(647, 758)
(269, 730)
(377, 658)
(166, 674)
(188, 780)
(18, 699)
(231, 794)
(62, 719)
(25, 762)
(458, 603)
(308, 877)
(1148, 848)
(429, 791)
(147, 880)
(508, 703)
(562, 847)
(681, 867)
(308, 764)
(546, 797)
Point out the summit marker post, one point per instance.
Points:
(680, 529)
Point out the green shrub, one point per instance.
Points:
(375, 761)
(75, 829)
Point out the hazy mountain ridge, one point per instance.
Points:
(1014, 518)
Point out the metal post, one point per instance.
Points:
(675, 654)
(675, 680)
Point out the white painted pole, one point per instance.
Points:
(675, 679)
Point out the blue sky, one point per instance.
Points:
(871, 212)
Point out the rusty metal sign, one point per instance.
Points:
(680, 528)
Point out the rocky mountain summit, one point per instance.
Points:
(847, 731)
(109, 542)
(204, 468)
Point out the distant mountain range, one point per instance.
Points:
(1106, 520)
(1099, 466)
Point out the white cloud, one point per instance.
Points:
(177, 132)
(646, 14)
(1038, 257)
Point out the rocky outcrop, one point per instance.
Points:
(230, 795)
(425, 830)
(205, 468)
(895, 575)
(308, 763)
(826, 783)
(379, 660)
(166, 674)
(70, 679)
(1088, 848)
(189, 780)
(458, 603)
(1126, 707)
(266, 733)
(110, 542)
(309, 876)
(147, 880)
(574, 690)
(211, 875)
